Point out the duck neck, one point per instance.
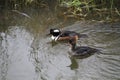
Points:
(73, 46)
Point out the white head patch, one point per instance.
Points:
(56, 30)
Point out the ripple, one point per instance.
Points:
(110, 67)
(32, 54)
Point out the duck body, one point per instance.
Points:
(69, 33)
(81, 51)
(65, 35)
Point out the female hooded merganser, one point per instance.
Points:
(65, 35)
(81, 51)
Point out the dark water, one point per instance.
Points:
(26, 54)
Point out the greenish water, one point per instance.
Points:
(26, 54)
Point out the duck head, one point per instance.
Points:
(55, 32)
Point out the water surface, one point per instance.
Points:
(27, 54)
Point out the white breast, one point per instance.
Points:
(54, 38)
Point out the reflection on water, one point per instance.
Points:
(27, 55)
(74, 64)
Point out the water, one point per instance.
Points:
(27, 54)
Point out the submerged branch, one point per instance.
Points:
(116, 10)
(21, 13)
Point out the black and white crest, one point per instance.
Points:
(55, 32)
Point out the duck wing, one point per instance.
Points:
(67, 33)
(72, 33)
(84, 50)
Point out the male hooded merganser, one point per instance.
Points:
(81, 51)
(65, 35)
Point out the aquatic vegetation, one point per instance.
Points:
(107, 10)
(103, 10)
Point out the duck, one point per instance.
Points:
(80, 51)
(58, 35)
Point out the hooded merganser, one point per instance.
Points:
(65, 35)
(81, 51)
